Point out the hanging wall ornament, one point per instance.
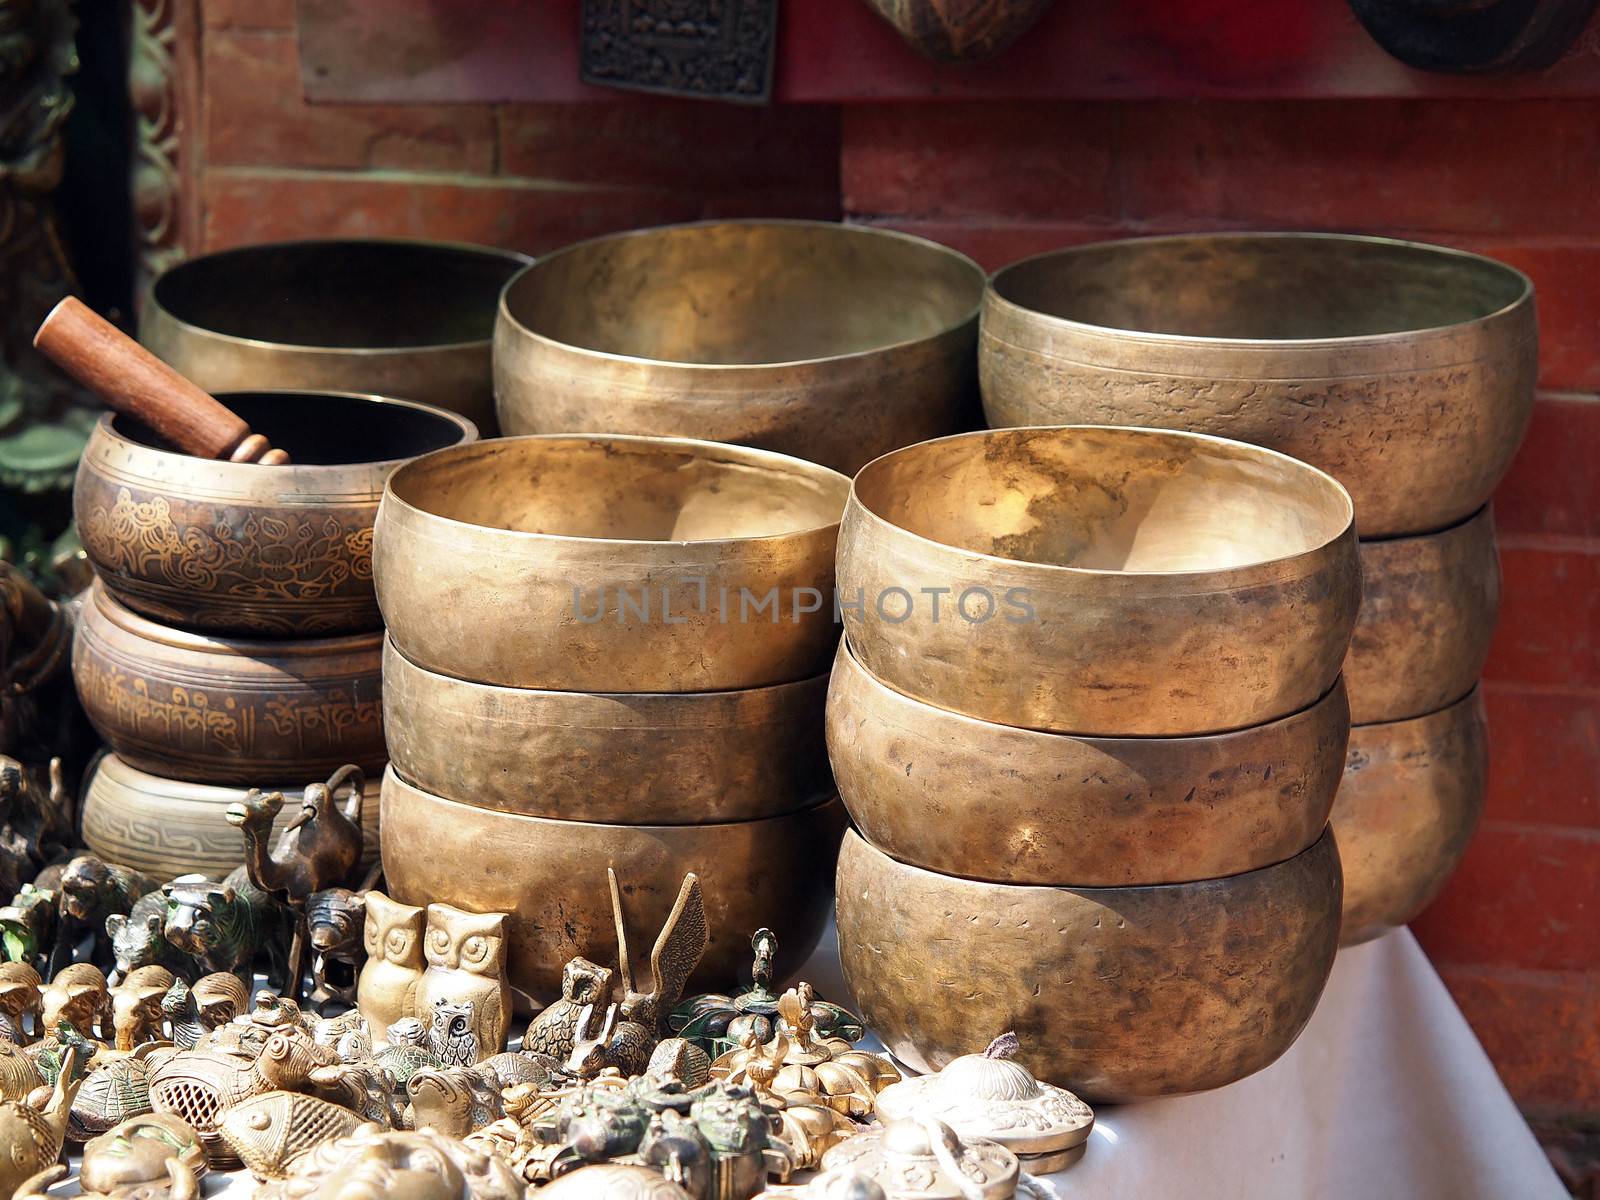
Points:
(960, 31)
(1475, 36)
(709, 49)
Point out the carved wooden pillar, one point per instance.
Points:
(164, 85)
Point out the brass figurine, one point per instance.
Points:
(18, 1073)
(212, 1002)
(113, 1092)
(224, 926)
(34, 1130)
(466, 956)
(409, 1165)
(991, 1095)
(334, 919)
(136, 1007)
(614, 1181)
(91, 891)
(21, 1003)
(553, 1030)
(138, 939)
(28, 925)
(149, 1157)
(454, 1100)
(386, 990)
(927, 1160)
(266, 1132)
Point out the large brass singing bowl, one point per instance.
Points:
(169, 827)
(1100, 581)
(1115, 993)
(623, 758)
(831, 342)
(1428, 609)
(611, 564)
(1405, 371)
(1412, 795)
(966, 797)
(227, 710)
(396, 317)
(247, 550)
(550, 876)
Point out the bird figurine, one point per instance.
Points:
(554, 1030)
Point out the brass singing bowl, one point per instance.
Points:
(227, 710)
(247, 550)
(834, 343)
(1100, 581)
(396, 317)
(611, 564)
(1428, 609)
(550, 876)
(1412, 795)
(170, 827)
(1405, 371)
(1116, 994)
(966, 797)
(622, 758)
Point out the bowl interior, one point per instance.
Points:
(323, 429)
(1132, 500)
(1261, 287)
(347, 295)
(620, 488)
(745, 293)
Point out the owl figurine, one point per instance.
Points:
(386, 990)
(466, 955)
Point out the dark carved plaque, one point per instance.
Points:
(713, 49)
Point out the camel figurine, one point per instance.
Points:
(319, 849)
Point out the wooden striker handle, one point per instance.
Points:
(138, 384)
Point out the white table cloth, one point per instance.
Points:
(1387, 1095)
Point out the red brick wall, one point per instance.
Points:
(1517, 934)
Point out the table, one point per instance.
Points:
(1387, 1095)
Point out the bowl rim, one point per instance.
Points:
(467, 427)
(993, 296)
(1282, 562)
(1483, 513)
(722, 695)
(1093, 894)
(504, 313)
(751, 455)
(1446, 714)
(812, 809)
(119, 772)
(264, 650)
(160, 311)
(901, 699)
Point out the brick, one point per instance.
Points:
(1549, 630)
(1553, 486)
(243, 206)
(256, 115)
(1541, 1030)
(1374, 165)
(1010, 162)
(1544, 756)
(1525, 896)
(684, 144)
(248, 14)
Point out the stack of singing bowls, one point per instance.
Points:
(231, 638)
(1092, 789)
(578, 677)
(397, 317)
(1405, 371)
(834, 343)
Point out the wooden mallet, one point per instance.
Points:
(138, 384)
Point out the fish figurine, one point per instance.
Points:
(266, 1132)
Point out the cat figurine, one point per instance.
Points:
(386, 989)
(466, 955)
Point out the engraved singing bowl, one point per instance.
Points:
(169, 827)
(611, 564)
(1100, 581)
(966, 797)
(1405, 371)
(835, 343)
(1428, 608)
(1412, 795)
(550, 876)
(1116, 994)
(623, 758)
(400, 318)
(243, 549)
(227, 710)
